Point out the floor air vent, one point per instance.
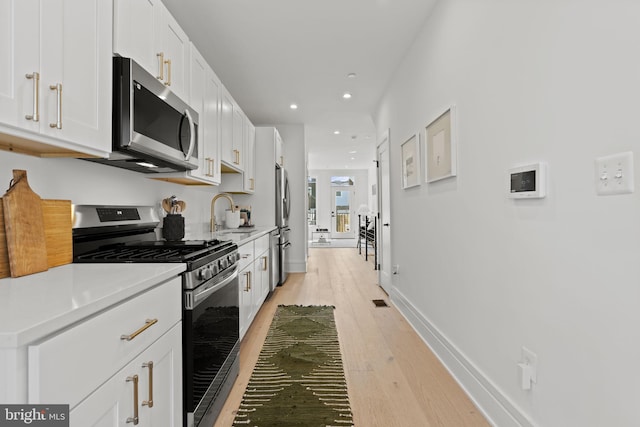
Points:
(380, 303)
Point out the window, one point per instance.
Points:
(311, 197)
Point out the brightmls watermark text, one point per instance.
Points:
(34, 415)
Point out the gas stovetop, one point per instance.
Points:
(153, 251)
(127, 234)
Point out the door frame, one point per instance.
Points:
(384, 215)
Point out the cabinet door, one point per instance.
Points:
(261, 288)
(197, 95)
(19, 57)
(250, 150)
(113, 403)
(226, 128)
(175, 46)
(137, 32)
(213, 90)
(162, 383)
(238, 137)
(246, 303)
(76, 88)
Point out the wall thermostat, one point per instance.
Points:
(528, 182)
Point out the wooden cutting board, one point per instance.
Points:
(58, 234)
(24, 227)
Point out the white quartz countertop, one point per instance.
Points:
(240, 235)
(34, 306)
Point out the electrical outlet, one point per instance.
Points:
(395, 269)
(614, 174)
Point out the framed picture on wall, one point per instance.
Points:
(441, 146)
(411, 162)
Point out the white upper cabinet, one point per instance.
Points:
(250, 161)
(241, 179)
(145, 31)
(55, 76)
(212, 118)
(230, 152)
(175, 49)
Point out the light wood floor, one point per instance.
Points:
(392, 376)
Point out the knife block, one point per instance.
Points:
(173, 227)
(57, 231)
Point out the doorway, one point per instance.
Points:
(342, 213)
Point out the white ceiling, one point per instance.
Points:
(271, 53)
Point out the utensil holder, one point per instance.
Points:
(173, 227)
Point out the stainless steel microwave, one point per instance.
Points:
(154, 131)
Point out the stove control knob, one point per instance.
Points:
(205, 273)
(232, 259)
(224, 263)
(214, 269)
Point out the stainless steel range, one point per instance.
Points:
(210, 323)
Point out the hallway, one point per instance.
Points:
(394, 379)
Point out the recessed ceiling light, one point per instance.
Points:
(351, 75)
(293, 106)
(346, 95)
(336, 132)
(353, 158)
(353, 152)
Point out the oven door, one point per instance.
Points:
(211, 330)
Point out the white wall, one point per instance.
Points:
(482, 275)
(85, 182)
(295, 162)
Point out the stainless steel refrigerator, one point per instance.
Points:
(283, 209)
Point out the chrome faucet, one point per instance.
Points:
(213, 202)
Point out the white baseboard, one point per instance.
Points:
(496, 407)
(296, 267)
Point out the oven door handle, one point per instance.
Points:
(204, 294)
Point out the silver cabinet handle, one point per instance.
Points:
(150, 401)
(265, 264)
(252, 184)
(247, 286)
(160, 65)
(58, 89)
(35, 76)
(135, 417)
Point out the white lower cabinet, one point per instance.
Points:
(146, 392)
(120, 367)
(254, 279)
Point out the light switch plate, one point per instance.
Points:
(614, 174)
(529, 358)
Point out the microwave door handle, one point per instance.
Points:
(192, 135)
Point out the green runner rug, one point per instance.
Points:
(298, 379)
